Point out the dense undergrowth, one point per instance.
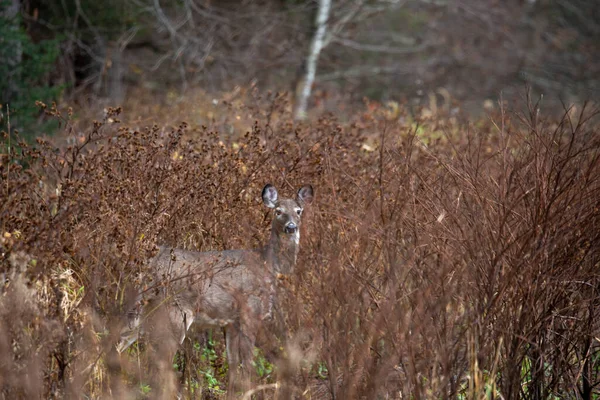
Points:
(440, 260)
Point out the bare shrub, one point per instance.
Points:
(438, 260)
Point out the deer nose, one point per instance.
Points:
(291, 228)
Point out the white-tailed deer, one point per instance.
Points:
(233, 289)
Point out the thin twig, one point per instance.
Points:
(8, 150)
(259, 388)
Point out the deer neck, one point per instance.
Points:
(282, 251)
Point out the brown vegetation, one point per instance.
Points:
(439, 259)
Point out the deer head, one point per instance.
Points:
(285, 231)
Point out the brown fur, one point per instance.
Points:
(232, 289)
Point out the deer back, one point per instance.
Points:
(216, 286)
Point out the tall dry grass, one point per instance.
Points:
(441, 259)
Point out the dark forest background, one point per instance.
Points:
(419, 51)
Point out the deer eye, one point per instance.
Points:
(278, 213)
(299, 211)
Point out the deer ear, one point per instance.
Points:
(305, 194)
(269, 196)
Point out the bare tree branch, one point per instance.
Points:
(313, 57)
(360, 72)
(383, 48)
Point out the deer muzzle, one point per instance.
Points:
(290, 228)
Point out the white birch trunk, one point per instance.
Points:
(316, 46)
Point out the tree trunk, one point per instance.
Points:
(10, 14)
(316, 45)
(116, 88)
